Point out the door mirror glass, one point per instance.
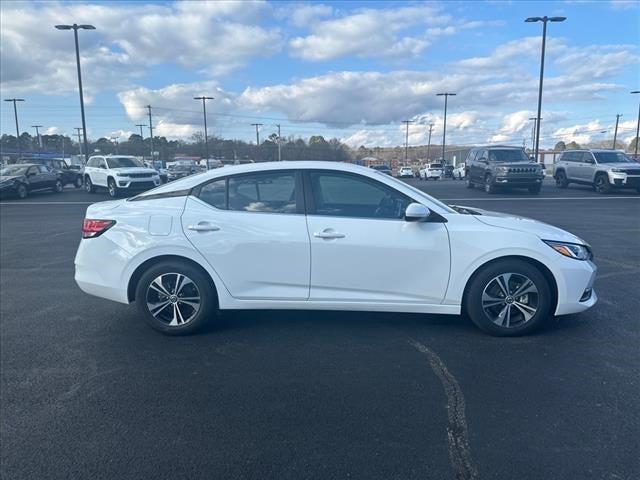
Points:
(416, 212)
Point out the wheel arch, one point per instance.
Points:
(144, 266)
(553, 284)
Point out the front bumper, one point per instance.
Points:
(138, 184)
(577, 277)
(524, 181)
(624, 180)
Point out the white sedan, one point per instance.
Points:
(319, 235)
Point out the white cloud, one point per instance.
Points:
(216, 37)
(52, 131)
(305, 14)
(120, 135)
(375, 137)
(368, 33)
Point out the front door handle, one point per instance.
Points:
(328, 234)
(203, 227)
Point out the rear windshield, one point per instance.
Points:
(612, 157)
(121, 162)
(503, 156)
(14, 170)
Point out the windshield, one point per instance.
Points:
(14, 170)
(182, 168)
(380, 167)
(435, 165)
(123, 162)
(504, 156)
(421, 194)
(612, 157)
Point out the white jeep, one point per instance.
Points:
(118, 173)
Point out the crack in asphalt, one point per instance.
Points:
(457, 430)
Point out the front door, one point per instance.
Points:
(252, 230)
(363, 250)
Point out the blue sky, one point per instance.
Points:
(352, 70)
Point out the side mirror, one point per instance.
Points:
(482, 159)
(416, 212)
(589, 160)
(31, 174)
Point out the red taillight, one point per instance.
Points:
(95, 228)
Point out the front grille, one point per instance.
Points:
(142, 185)
(523, 170)
(631, 171)
(140, 175)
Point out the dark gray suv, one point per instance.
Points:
(495, 167)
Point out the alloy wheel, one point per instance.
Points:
(510, 300)
(173, 299)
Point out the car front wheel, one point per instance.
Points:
(22, 191)
(602, 184)
(111, 187)
(58, 187)
(561, 180)
(88, 185)
(467, 181)
(489, 186)
(508, 298)
(175, 298)
(78, 182)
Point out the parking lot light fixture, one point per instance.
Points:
(637, 126)
(75, 27)
(446, 96)
(15, 113)
(544, 21)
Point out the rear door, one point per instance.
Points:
(252, 230)
(362, 249)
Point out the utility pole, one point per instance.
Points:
(75, 27)
(533, 133)
(79, 129)
(15, 112)
(206, 138)
(615, 132)
(279, 150)
(406, 140)
(115, 141)
(140, 125)
(37, 127)
(544, 21)
(257, 125)
(151, 133)
(429, 144)
(637, 127)
(444, 127)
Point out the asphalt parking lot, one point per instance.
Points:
(88, 391)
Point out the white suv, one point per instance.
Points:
(432, 170)
(117, 173)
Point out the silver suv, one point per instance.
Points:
(602, 169)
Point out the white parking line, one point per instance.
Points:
(508, 199)
(457, 430)
(46, 203)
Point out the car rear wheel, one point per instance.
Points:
(175, 298)
(561, 180)
(601, 184)
(508, 298)
(58, 187)
(22, 191)
(88, 185)
(112, 188)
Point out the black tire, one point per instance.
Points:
(489, 186)
(535, 189)
(78, 182)
(561, 179)
(601, 183)
(22, 191)
(467, 182)
(58, 187)
(485, 280)
(161, 322)
(88, 185)
(112, 189)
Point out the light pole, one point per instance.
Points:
(444, 127)
(533, 132)
(544, 21)
(75, 27)
(37, 127)
(140, 125)
(206, 138)
(637, 127)
(406, 140)
(15, 112)
(615, 133)
(429, 143)
(151, 134)
(114, 140)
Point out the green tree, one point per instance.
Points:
(572, 145)
(560, 146)
(633, 145)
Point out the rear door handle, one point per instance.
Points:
(203, 227)
(328, 234)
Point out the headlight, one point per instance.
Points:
(617, 170)
(571, 250)
(502, 169)
(119, 174)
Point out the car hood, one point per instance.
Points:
(523, 224)
(128, 170)
(625, 165)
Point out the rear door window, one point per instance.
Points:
(262, 192)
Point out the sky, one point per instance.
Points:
(346, 69)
